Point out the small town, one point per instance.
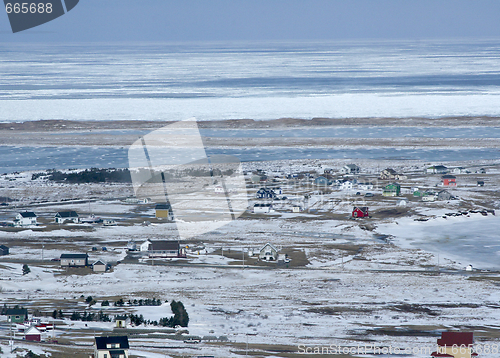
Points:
(111, 231)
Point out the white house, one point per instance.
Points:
(268, 253)
(365, 186)
(459, 170)
(437, 169)
(346, 185)
(262, 208)
(25, 218)
(349, 169)
(145, 246)
(64, 216)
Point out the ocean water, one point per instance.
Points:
(249, 80)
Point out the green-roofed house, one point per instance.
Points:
(393, 189)
(17, 315)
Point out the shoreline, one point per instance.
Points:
(66, 125)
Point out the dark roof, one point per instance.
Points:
(16, 311)
(448, 177)
(101, 342)
(120, 318)
(262, 205)
(458, 338)
(74, 256)
(67, 214)
(28, 214)
(163, 206)
(390, 170)
(115, 353)
(3, 247)
(165, 245)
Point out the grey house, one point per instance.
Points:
(74, 260)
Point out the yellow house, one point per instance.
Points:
(455, 345)
(122, 321)
(164, 211)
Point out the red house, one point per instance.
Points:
(360, 212)
(449, 180)
(32, 334)
(449, 340)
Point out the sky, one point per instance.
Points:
(264, 20)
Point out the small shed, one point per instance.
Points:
(32, 334)
(99, 266)
(296, 209)
(122, 321)
(262, 208)
(268, 253)
(402, 202)
(360, 212)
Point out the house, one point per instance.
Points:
(145, 246)
(66, 216)
(264, 193)
(429, 196)
(122, 321)
(255, 179)
(17, 315)
(349, 169)
(111, 347)
(393, 189)
(346, 185)
(322, 181)
(360, 212)
(388, 174)
(365, 186)
(437, 169)
(164, 211)
(296, 209)
(99, 266)
(74, 260)
(481, 171)
(166, 249)
(262, 208)
(444, 195)
(33, 334)
(268, 253)
(449, 180)
(480, 183)
(25, 218)
(459, 170)
(449, 341)
(4, 250)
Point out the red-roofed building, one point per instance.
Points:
(450, 344)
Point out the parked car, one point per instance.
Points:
(192, 340)
(369, 195)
